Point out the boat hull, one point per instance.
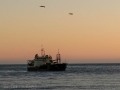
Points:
(48, 67)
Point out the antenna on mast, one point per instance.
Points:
(42, 51)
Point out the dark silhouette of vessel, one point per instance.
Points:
(46, 63)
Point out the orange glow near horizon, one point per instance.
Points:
(90, 35)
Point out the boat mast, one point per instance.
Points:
(58, 57)
(42, 52)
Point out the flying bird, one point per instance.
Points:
(42, 6)
(70, 13)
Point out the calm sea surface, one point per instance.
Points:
(76, 77)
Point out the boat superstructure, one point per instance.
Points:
(46, 63)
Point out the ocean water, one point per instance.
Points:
(76, 77)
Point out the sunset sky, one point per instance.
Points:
(90, 35)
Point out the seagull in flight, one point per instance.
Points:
(42, 6)
(70, 13)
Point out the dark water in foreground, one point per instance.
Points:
(76, 77)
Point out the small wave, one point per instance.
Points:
(7, 71)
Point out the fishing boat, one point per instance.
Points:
(46, 63)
